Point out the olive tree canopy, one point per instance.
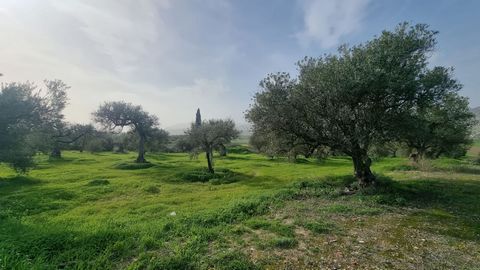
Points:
(119, 114)
(211, 134)
(356, 98)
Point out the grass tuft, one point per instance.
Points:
(98, 182)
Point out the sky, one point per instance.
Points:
(174, 56)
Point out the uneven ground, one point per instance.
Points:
(99, 211)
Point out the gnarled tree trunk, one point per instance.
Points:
(361, 165)
(56, 152)
(209, 160)
(223, 150)
(141, 150)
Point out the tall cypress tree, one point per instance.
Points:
(198, 118)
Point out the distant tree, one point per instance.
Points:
(441, 128)
(66, 135)
(275, 144)
(156, 142)
(198, 118)
(354, 99)
(119, 114)
(95, 142)
(210, 134)
(21, 113)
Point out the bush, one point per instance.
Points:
(221, 176)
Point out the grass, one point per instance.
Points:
(102, 211)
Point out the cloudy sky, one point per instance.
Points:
(174, 56)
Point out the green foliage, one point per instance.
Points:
(119, 114)
(203, 175)
(440, 127)
(210, 135)
(354, 99)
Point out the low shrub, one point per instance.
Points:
(221, 176)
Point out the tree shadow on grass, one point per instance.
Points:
(9, 184)
(452, 204)
(56, 246)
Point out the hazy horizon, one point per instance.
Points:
(173, 57)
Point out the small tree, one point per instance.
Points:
(119, 114)
(210, 134)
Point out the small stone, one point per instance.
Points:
(173, 213)
(361, 241)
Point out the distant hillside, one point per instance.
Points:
(476, 129)
(476, 111)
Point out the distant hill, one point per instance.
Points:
(476, 111)
(476, 129)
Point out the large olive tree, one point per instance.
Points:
(356, 98)
(210, 134)
(119, 114)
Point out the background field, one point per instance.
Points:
(101, 211)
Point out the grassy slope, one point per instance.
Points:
(65, 215)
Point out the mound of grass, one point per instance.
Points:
(320, 227)
(239, 149)
(272, 226)
(234, 261)
(221, 176)
(98, 182)
(283, 242)
(152, 189)
(132, 165)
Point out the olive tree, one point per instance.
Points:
(441, 128)
(355, 98)
(31, 120)
(210, 134)
(117, 115)
(21, 110)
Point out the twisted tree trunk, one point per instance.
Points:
(361, 165)
(223, 150)
(209, 160)
(56, 152)
(141, 149)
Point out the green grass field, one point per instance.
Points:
(100, 211)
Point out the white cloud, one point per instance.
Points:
(115, 50)
(326, 22)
